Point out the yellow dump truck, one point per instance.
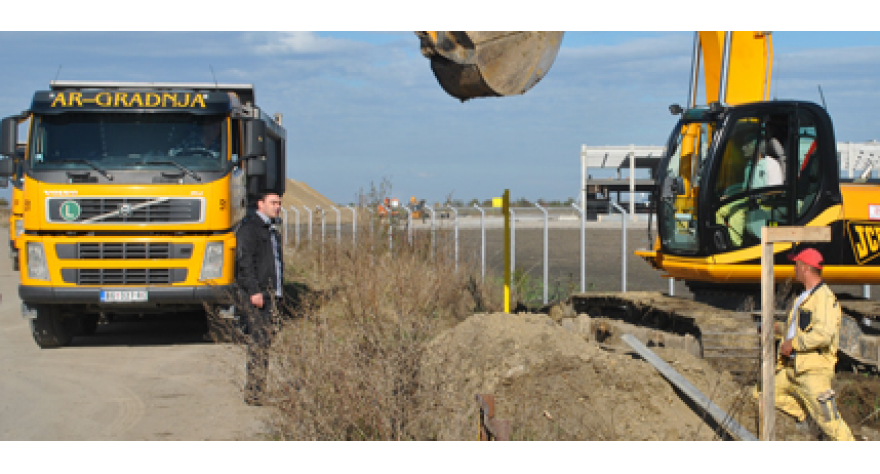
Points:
(131, 195)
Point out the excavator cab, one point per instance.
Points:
(731, 170)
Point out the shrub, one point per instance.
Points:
(346, 366)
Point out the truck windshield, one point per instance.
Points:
(127, 141)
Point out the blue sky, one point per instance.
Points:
(363, 106)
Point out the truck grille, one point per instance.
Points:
(123, 250)
(123, 276)
(124, 210)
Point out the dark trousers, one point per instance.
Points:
(259, 338)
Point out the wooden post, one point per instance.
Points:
(505, 208)
(769, 236)
(768, 355)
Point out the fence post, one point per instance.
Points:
(482, 242)
(546, 251)
(296, 224)
(623, 217)
(354, 220)
(284, 223)
(323, 223)
(455, 233)
(338, 225)
(583, 214)
(431, 211)
(512, 241)
(310, 223)
(632, 182)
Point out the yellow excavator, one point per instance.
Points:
(732, 166)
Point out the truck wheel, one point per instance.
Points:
(49, 329)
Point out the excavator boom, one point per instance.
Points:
(745, 76)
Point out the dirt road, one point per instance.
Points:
(133, 380)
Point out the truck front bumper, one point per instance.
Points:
(222, 294)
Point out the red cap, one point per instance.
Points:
(810, 256)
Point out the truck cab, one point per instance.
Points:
(131, 194)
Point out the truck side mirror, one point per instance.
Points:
(7, 168)
(256, 166)
(254, 139)
(8, 136)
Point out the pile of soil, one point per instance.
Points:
(299, 194)
(553, 383)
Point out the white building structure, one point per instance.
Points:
(857, 160)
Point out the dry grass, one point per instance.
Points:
(346, 365)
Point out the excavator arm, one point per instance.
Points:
(468, 64)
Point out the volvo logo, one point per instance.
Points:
(125, 210)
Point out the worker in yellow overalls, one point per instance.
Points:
(808, 354)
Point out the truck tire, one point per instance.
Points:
(48, 329)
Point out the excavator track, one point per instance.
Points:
(729, 340)
(860, 332)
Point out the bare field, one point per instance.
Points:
(603, 261)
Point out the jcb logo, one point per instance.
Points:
(865, 240)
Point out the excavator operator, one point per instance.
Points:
(763, 156)
(767, 172)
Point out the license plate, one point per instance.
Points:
(123, 296)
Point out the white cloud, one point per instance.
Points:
(301, 42)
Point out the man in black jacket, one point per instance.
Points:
(260, 265)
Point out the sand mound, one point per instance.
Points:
(552, 383)
(300, 194)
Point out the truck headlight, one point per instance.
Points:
(36, 262)
(19, 228)
(212, 261)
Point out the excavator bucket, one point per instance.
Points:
(471, 64)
